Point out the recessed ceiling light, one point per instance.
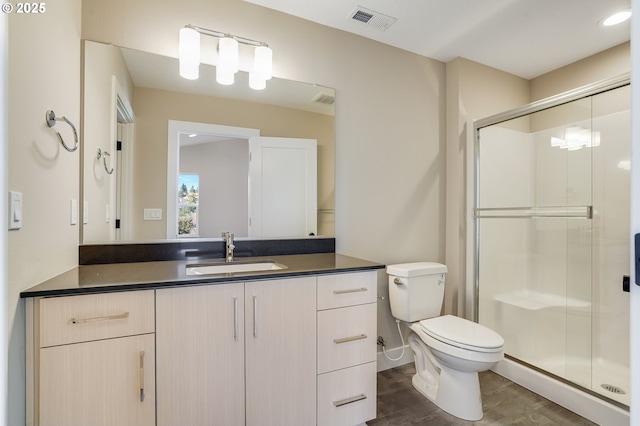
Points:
(193, 135)
(617, 18)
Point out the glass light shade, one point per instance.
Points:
(263, 62)
(256, 82)
(224, 76)
(189, 53)
(228, 55)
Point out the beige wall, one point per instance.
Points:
(4, 162)
(153, 109)
(44, 74)
(606, 64)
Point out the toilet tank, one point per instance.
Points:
(416, 290)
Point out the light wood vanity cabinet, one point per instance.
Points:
(295, 351)
(95, 359)
(347, 325)
(224, 350)
(200, 353)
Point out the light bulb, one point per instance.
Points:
(263, 62)
(224, 76)
(189, 53)
(228, 55)
(256, 82)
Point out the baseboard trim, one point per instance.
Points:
(385, 364)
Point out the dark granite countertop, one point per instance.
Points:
(149, 275)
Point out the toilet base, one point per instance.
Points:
(446, 394)
(456, 392)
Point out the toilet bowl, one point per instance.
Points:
(449, 351)
(447, 366)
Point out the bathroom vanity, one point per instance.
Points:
(144, 343)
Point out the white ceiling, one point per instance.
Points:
(523, 37)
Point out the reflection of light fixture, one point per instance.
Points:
(624, 164)
(261, 67)
(617, 18)
(228, 57)
(576, 138)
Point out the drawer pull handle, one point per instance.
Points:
(255, 316)
(141, 376)
(235, 319)
(349, 400)
(349, 339)
(95, 319)
(351, 290)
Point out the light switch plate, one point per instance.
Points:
(15, 210)
(152, 214)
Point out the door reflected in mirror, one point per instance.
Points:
(130, 97)
(261, 187)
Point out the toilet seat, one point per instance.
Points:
(462, 333)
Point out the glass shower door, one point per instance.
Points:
(534, 237)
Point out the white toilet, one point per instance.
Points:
(449, 351)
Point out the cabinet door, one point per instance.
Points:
(105, 382)
(281, 352)
(200, 355)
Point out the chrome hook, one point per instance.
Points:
(104, 155)
(51, 118)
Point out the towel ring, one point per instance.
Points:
(104, 155)
(51, 118)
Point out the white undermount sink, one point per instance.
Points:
(233, 267)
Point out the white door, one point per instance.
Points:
(282, 187)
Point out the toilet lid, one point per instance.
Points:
(463, 333)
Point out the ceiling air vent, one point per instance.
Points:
(322, 98)
(372, 18)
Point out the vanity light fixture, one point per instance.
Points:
(228, 57)
(617, 18)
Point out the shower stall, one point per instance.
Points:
(551, 236)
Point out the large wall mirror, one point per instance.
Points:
(132, 101)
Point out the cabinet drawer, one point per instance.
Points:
(72, 319)
(347, 397)
(346, 337)
(339, 290)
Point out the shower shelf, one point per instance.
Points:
(531, 300)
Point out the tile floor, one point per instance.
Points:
(504, 403)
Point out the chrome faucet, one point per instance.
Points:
(229, 246)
